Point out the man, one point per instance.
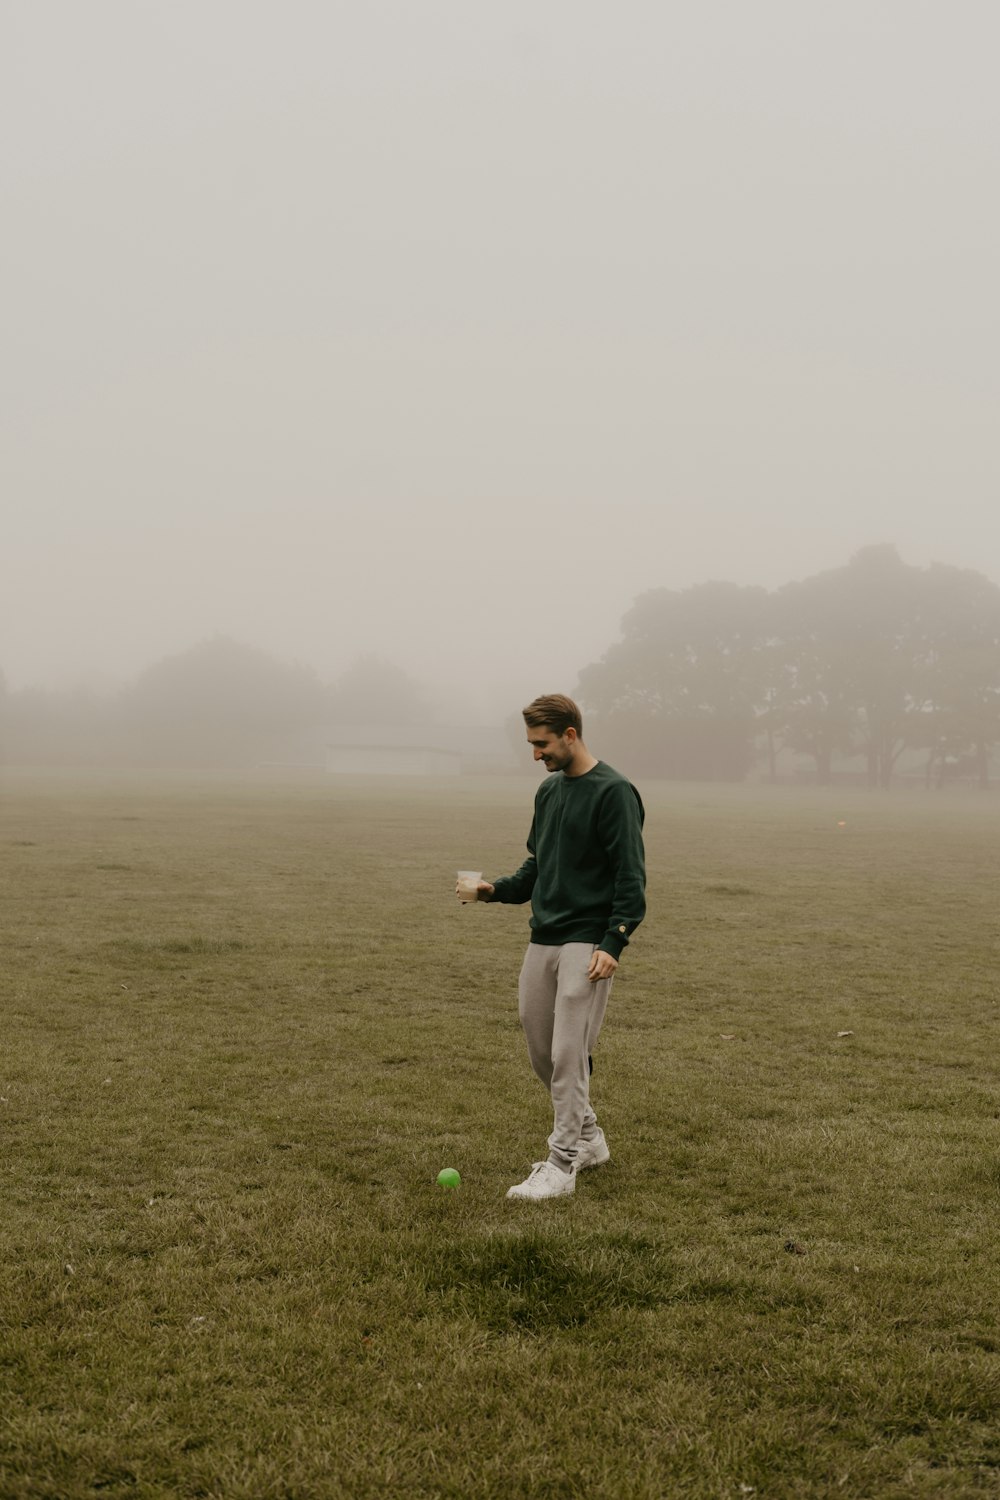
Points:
(585, 879)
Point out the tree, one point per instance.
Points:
(676, 691)
(374, 691)
(875, 656)
(882, 597)
(55, 729)
(848, 642)
(883, 657)
(960, 667)
(218, 703)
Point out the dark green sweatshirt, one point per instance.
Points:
(585, 874)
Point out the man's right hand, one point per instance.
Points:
(483, 892)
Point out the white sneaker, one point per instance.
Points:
(544, 1181)
(592, 1153)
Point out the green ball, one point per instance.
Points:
(448, 1177)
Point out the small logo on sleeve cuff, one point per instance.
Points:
(621, 929)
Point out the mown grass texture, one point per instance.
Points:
(246, 1023)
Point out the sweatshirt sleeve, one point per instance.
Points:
(514, 890)
(620, 827)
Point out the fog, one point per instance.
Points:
(441, 331)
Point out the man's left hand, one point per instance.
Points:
(602, 966)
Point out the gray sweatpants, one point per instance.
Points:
(561, 1012)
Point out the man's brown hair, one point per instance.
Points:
(553, 711)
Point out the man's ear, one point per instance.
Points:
(571, 734)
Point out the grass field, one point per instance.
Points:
(245, 1023)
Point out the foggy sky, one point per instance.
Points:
(442, 330)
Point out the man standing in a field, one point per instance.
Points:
(585, 878)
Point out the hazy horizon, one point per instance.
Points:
(442, 333)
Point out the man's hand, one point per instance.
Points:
(602, 966)
(483, 892)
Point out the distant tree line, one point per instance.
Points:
(220, 703)
(870, 659)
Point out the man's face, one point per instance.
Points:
(554, 750)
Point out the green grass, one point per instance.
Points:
(245, 1024)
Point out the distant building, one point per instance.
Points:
(426, 750)
(401, 758)
(392, 750)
